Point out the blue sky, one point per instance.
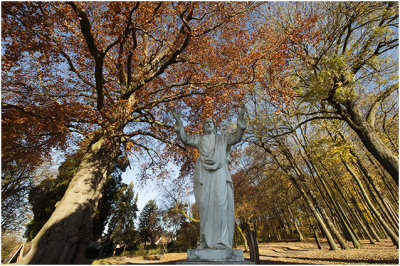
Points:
(155, 189)
(147, 191)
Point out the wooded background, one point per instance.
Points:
(96, 82)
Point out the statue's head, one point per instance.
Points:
(209, 126)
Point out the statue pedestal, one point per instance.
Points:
(212, 256)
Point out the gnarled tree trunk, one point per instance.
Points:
(370, 139)
(65, 236)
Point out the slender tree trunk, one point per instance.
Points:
(364, 228)
(361, 214)
(312, 226)
(320, 221)
(345, 222)
(354, 216)
(390, 233)
(381, 198)
(278, 235)
(300, 188)
(348, 217)
(295, 221)
(282, 225)
(363, 232)
(393, 212)
(369, 229)
(379, 201)
(329, 223)
(243, 236)
(287, 224)
(374, 221)
(351, 211)
(301, 237)
(381, 208)
(316, 238)
(65, 236)
(253, 246)
(251, 234)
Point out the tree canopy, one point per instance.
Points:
(101, 78)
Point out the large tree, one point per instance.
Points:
(44, 196)
(109, 72)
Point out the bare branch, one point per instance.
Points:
(374, 107)
(306, 121)
(185, 214)
(73, 69)
(12, 106)
(94, 51)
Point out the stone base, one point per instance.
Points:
(212, 256)
(247, 262)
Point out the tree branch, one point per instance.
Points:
(185, 214)
(73, 69)
(126, 137)
(86, 30)
(306, 121)
(10, 106)
(374, 107)
(94, 51)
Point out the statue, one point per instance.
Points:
(213, 187)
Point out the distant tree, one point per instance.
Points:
(173, 218)
(43, 202)
(189, 232)
(121, 225)
(109, 197)
(149, 223)
(8, 242)
(16, 181)
(176, 208)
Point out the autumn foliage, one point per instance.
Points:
(76, 70)
(104, 76)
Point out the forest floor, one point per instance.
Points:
(305, 252)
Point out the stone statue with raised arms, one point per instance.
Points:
(213, 187)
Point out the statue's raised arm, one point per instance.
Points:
(213, 187)
(241, 126)
(178, 120)
(180, 130)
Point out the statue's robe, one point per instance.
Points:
(213, 185)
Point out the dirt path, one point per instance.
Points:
(308, 253)
(290, 253)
